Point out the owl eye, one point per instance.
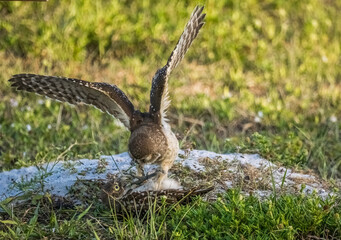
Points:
(116, 187)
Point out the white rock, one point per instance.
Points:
(56, 178)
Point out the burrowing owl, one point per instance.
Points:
(114, 195)
(151, 140)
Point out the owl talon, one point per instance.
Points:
(144, 178)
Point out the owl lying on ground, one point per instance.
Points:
(152, 140)
(115, 196)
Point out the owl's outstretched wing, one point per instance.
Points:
(159, 100)
(104, 96)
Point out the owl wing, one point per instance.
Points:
(159, 99)
(106, 97)
(144, 199)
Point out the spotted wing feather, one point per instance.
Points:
(104, 96)
(159, 99)
(142, 200)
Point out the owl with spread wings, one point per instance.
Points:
(152, 140)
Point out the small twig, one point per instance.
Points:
(114, 160)
(188, 119)
(143, 178)
(186, 135)
(99, 222)
(70, 147)
(315, 237)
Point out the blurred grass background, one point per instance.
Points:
(263, 76)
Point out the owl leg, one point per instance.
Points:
(161, 176)
(140, 169)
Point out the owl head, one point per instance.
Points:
(113, 189)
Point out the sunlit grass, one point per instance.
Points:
(232, 216)
(262, 77)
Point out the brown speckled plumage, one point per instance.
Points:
(137, 201)
(151, 140)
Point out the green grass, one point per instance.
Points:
(262, 77)
(232, 216)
